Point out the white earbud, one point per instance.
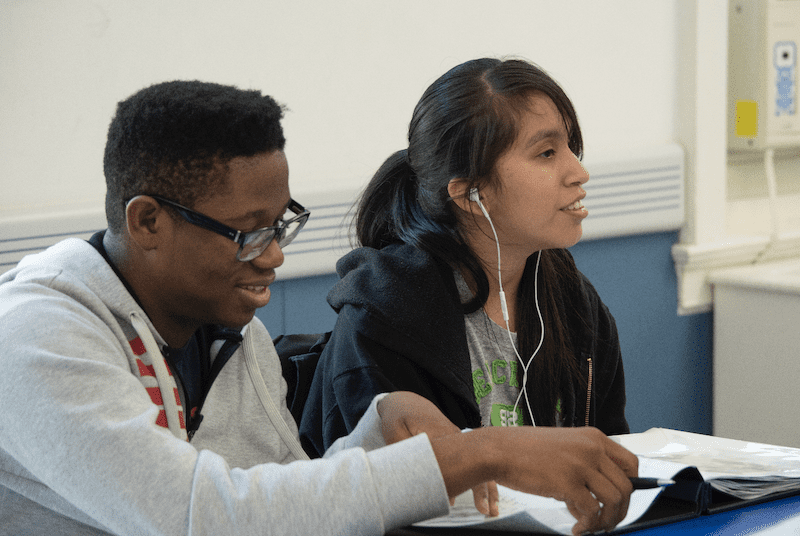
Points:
(474, 195)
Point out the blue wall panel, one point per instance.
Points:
(299, 306)
(667, 357)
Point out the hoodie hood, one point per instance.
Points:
(77, 269)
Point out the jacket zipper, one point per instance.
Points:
(589, 392)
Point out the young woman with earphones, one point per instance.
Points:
(463, 290)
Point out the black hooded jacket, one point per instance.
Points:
(401, 327)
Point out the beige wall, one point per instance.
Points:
(350, 71)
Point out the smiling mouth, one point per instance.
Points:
(256, 289)
(577, 205)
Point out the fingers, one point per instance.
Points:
(581, 467)
(599, 495)
(620, 465)
(605, 503)
(586, 517)
(486, 498)
(494, 498)
(623, 458)
(621, 488)
(591, 515)
(481, 498)
(612, 488)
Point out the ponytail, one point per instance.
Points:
(385, 200)
(390, 211)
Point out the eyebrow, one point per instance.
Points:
(261, 212)
(551, 133)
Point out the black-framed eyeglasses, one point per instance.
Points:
(253, 243)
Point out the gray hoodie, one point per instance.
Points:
(92, 436)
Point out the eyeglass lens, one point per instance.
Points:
(256, 243)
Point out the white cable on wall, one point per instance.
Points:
(772, 190)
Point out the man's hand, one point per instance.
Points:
(404, 414)
(580, 466)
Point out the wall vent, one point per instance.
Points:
(639, 194)
(28, 234)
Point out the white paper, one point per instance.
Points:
(714, 456)
(662, 453)
(523, 512)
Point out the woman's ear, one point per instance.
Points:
(459, 192)
(145, 221)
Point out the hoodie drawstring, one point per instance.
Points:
(165, 389)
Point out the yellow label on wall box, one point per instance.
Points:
(746, 119)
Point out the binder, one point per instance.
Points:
(727, 473)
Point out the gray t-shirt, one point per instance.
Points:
(496, 375)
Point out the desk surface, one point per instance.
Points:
(775, 518)
(781, 517)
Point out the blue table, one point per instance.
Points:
(775, 518)
(780, 517)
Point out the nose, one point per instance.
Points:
(578, 173)
(270, 258)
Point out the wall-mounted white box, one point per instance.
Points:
(763, 41)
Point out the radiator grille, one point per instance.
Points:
(640, 194)
(637, 195)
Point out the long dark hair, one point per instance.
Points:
(461, 126)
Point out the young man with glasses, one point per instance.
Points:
(139, 395)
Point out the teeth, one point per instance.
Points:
(255, 289)
(577, 205)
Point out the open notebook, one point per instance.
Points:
(711, 474)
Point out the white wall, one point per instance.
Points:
(350, 71)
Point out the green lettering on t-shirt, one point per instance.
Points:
(480, 385)
(512, 369)
(505, 415)
(496, 377)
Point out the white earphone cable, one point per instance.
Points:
(475, 197)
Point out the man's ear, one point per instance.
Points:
(146, 221)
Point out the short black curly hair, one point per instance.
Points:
(175, 139)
